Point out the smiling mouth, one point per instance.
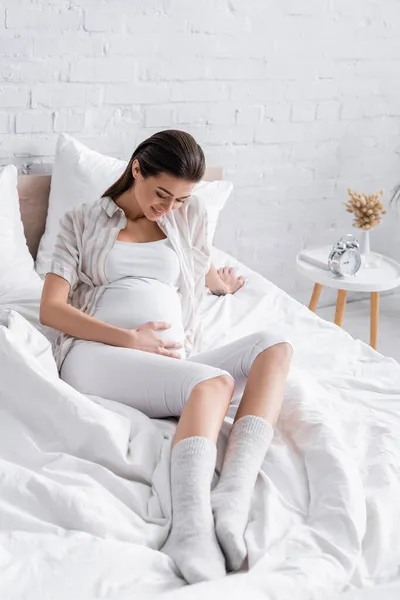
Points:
(159, 213)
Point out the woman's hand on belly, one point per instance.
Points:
(145, 338)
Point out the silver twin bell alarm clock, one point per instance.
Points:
(345, 257)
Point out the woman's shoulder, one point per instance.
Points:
(195, 210)
(82, 211)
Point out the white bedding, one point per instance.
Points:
(84, 489)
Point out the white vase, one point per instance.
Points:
(368, 259)
(363, 239)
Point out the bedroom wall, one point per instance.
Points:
(297, 101)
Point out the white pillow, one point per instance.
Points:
(25, 299)
(20, 286)
(16, 262)
(18, 333)
(79, 175)
(214, 195)
(83, 175)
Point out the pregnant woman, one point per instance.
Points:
(124, 287)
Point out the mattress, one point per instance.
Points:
(84, 485)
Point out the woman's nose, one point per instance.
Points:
(168, 207)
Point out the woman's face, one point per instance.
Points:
(160, 194)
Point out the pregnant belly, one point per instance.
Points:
(141, 301)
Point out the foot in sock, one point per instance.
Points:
(192, 542)
(247, 445)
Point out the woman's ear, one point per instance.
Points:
(135, 169)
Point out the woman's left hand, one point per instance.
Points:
(231, 283)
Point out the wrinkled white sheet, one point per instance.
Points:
(84, 486)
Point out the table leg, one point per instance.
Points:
(373, 335)
(340, 307)
(315, 297)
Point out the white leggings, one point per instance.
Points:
(157, 385)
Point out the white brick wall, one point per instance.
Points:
(296, 100)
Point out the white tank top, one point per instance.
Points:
(143, 280)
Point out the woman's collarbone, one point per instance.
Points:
(140, 233)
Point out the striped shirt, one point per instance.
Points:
(87, 234)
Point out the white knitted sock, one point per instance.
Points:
(247, 445)
(192, 542)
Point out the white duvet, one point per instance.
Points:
(84, 484)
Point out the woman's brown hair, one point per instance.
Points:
(171, 151)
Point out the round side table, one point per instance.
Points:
(373, 281)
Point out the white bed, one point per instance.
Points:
(84, 482)
(84, 496)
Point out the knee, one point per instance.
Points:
(284, 350)
(223, 385)
(226, 384)
(281, 353)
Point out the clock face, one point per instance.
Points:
(350, 262)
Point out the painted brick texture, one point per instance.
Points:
(296, 100)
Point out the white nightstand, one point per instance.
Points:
(372, 281)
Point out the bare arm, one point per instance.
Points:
(223, 281)
(56, 312)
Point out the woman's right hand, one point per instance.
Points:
(145, 338)
(57, 313)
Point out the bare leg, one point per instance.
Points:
(192, 542)
(247, 445)
(263, 393)
(206, 408)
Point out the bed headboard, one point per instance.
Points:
(34, 193)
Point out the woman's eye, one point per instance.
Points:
(161, 196)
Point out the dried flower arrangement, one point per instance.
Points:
(367, 209)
